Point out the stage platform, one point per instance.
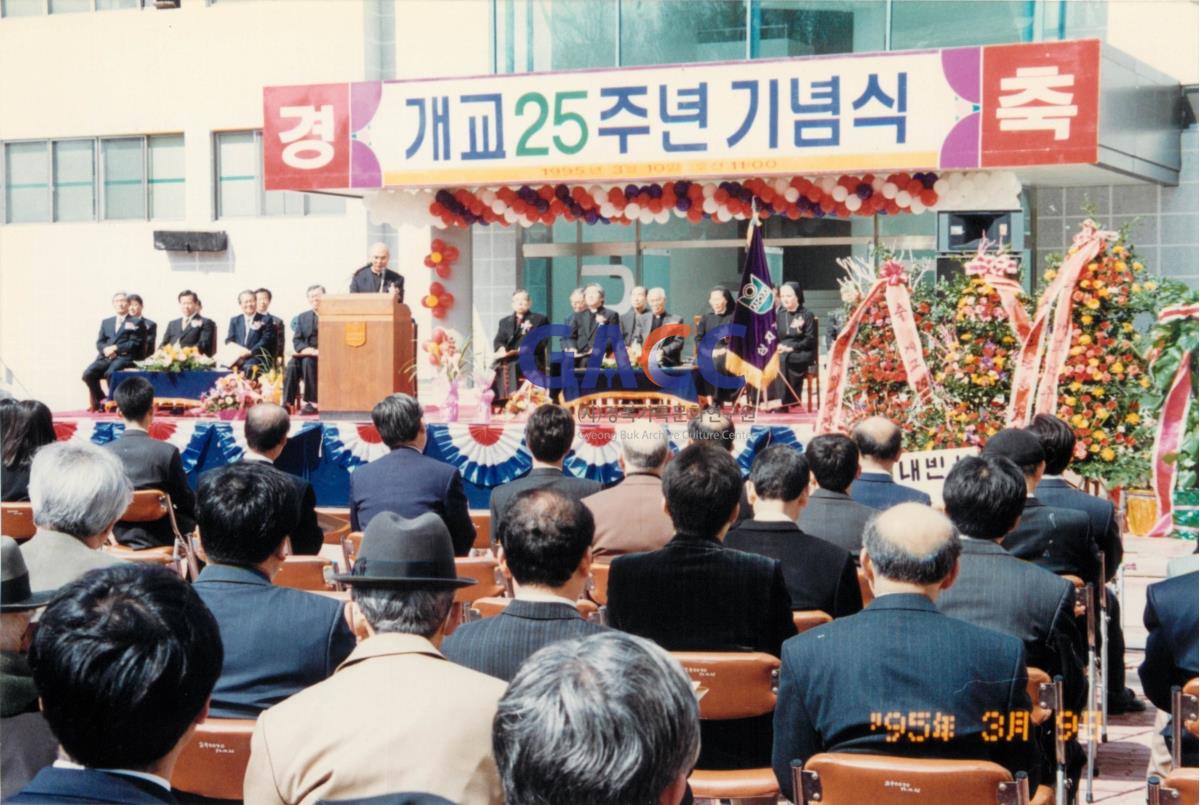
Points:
(487, 455)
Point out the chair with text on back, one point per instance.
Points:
(1181, 786)
(150, 506)
(306, 573)
(733, 685)
(844, 778)
(16, 521)
(213, 762)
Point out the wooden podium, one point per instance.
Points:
(368, 346)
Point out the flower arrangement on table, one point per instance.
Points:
(526, 398)
(450, 354)
(170, 358)
(233, 392)
(633, 350)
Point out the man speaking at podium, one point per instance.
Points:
(376, 277)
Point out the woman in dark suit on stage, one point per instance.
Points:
(796, 331)
(720, 300)
(509, 335)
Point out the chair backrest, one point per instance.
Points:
(732, 684)
(490, 606)
(303, 573)
(1037, 678)
(599, 591)
(482, 518)
(16, 521)
(351, 545)
(484, 569)
(1190, 721)
(841, 778)
(147, 506)
(806, 619)
(1180, 787)
(864, 587)
(213, 762)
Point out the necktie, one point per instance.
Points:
(382, 277)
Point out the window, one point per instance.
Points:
(31, 8)
(139, 178)
(240, 183)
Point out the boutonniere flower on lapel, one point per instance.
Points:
(600, 318)
(256, 326)
(194, 323)
(797, 323)
(130, 325)
(526, 326)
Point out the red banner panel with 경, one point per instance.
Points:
(306, 137)
(1040, 104)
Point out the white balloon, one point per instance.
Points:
(839, 193)
(780, 184)
(941, 186)
(889, 190)
(853, 203)
(904, 198)
(662, 216)
(646, 216)
(679, 213)
(632, 210)
(827, 183)
(525, 222)
(917, 207)
(608, 210)
(723, 215)
(708, 189)
(710, 206)
(498, 206)
(877, 183)
(791, 194)
(510, 215)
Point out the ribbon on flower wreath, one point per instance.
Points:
(996, 269)
(1172, 425)
(1040, 390)
(892, 285)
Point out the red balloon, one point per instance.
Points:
(443, 271)
(439, 335)
(436, 288)
(929, 197)
(655, 205)
(546, 191)
(793, 213)
(437, 245)
(429, 262)
(828, 204)
(439, 312)
(779, 204)
(450, 254)
(915, 188)
(695, 214)
(814, 194)
(615, 195)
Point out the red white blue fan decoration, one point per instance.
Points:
(486, 455)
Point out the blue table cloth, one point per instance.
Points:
(183, 385)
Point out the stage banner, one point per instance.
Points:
(958, 108)
(926, 470)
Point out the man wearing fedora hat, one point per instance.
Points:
(28, 744)
(396, 715)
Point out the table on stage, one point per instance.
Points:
(173, 385)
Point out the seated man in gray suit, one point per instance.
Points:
(831, 514)
(670, 349)
(630, 516)
(984, 499)
(878, 440)
(546, 549)
(78, 490)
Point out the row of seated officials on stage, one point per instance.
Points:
(129, 336)
(795, 328)
(372, 697)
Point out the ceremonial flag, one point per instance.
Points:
(752, 354)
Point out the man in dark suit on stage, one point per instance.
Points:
(1058, 443)
(150, 464)
(254, 332)
(267, 427)
(586, 324)
(262, 303)
(549, 434)
(191, 329)
(510, 334)
(144, 696)
(577, 306)
(831, 514)
(878, 440)
(984, 498)
(546, 549)
(277, 640)
(1172, 622)
(405, 481)
(819, 575)
(135, 309)
(376, 277)
(121, 341)
(670, 349)
(839, 680)
(629, 319)
(695, 594)
(303, 364)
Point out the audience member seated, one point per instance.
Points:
(277, 640)
(1172, 622)
(134, 649)
(1057, 539)
(549, 434)
(831, 514)
(1058, 443)
(715, 428)
(303, 365)
(878, 440)
(984, 498)
(150, 464)
(839, 680)
(77, 490)
(546, 549)
(397, 715)
(28, 744)
(120, 342)
(695, 594)
(630, 516)
(267, 427)
(818, 575)
(406, 482)
(606, 720)
(24, 427)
